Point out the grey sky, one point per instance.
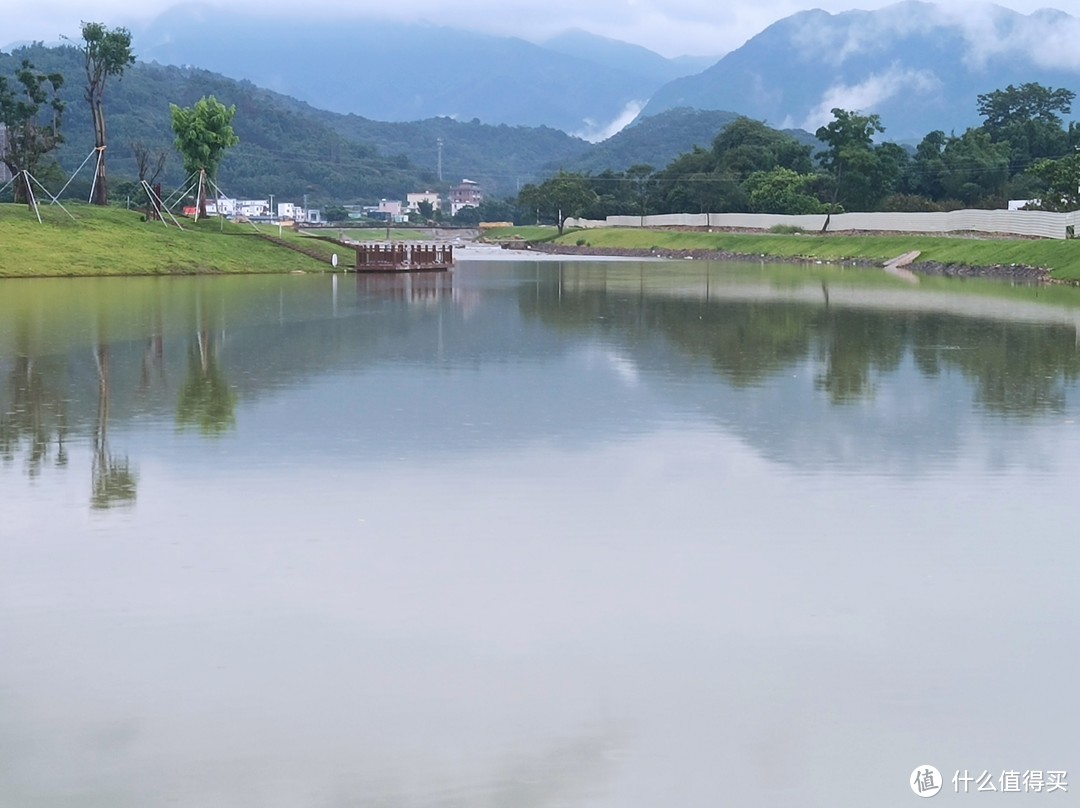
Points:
(670, 27)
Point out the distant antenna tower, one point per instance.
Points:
(439, 142)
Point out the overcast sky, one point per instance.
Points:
(670, 27)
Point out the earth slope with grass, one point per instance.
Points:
(115, 241)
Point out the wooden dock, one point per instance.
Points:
(403, 256)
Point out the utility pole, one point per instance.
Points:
(439, 144)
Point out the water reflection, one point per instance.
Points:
(619, 535)
(86, 359)
(113, 480)
(33, 423)
(751, 332)
(207, 401)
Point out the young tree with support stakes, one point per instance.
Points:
(105, 53)
(31, 110)
(203, 134)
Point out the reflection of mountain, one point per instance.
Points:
(496, 355)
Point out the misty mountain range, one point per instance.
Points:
(375, 97)
(918, 65)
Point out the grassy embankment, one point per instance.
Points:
(1061, 257)
(114, 241)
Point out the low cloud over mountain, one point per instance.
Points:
(919, 65)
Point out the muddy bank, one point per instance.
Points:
(1002, 271)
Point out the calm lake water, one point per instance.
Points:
(536, 535)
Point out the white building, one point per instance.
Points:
(392, 207)
(297, 213)
(253, 207)
(222, 206)
(413, 201)
(290, 211)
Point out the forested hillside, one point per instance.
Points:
(289, 148)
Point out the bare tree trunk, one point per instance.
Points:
(202, 193)
(21, 189)
(101, 185)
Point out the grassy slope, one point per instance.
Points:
(113, 241)
(1062, 257)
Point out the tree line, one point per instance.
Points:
(1022, 150)
(32, 110)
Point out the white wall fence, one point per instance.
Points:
(1037, 223)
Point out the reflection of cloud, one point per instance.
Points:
(868, 94)
(594, 132)
(624, 367)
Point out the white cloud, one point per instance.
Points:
(670, 27)
(594, 132)
(868, 94)
(864, 32)
(1046, 38)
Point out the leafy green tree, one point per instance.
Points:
(426, 209)
(641, 181)
(203, 134)
(335, 213)
(1028, 102)
(746, 146)
(782, 190)
(974, 169)
(1028, 118)
(1060, 181)
(31, 110)
(851, 159)
(468, 216)
(498, 210)
(928, 165)
(562, 197)
(105, 53)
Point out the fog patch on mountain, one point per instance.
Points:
(867, 95)
(594, 131)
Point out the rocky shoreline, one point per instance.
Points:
(1029, 274)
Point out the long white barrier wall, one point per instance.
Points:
(1035, 223)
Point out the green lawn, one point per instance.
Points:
(114, 241)
(528, 232)
(1062, 257)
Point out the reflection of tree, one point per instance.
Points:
(35, 418)
(206, 400)
(855, 344)
(1017, 368)
(112, 480)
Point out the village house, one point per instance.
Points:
(388, 210)
(297, 213)
(465, 195)
(412, 201)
